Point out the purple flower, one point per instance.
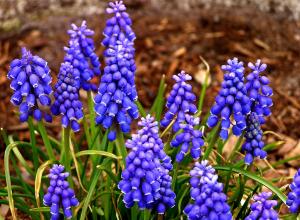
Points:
(232, 100)
(66, 96)
(180, 101)
(259, 91)
(207, 193)
(31, 81)
(253, 145)
(81, 54)
(293, 200)
(145, 180)
(115, 101)
(262, 208)
(59, 194)
(190, 138)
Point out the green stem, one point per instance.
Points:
(46, 140)
(121, 149)
(236, 147)
(174, 178)
(204, 86)
(91, 112)
(35, 155)
(66, 158)
(211, 143)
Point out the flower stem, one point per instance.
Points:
(66, 152)
(46, 140)
(121, 149)
(91, 112)
(35, 155)
(175, 170)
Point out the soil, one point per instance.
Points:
(168, 42)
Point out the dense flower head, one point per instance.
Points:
(59, 194)
(190, 138)
(231, 100)
(293, 200)
(262, 208)
(146, 179)
(259, 91)
(81, 54)
(115, 101)
(31, 81)
(180, 101)
(253, 146)
(66, 96)
(117, 27)
(209, 200)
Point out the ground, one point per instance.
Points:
(170, 41)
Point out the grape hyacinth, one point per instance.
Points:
(262, 208)
(31, 81)
(146, 179)
(180, 101)
(115, 101)
(259, 91)
(293, 200)
(253, 145)
(59, 194)
(232, 100)
(66, 96)
(207, 193)
(189, 138)
(81, 54)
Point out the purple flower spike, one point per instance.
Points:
(180, 101)
(209, 200)
(232, 100)
(293, 200)
(66, 96)
(115, 101)
(31, 81)
(259, 91)
(253, 146)
(81, 54)
(262, 208)
(146, 179)
(189, 138)
(59, 194)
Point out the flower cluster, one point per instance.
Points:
(262, 208)
(293, 200)
(253, 145)
(189, 138)
(81, 55)
(259, 91)
(232, 100)
(180, 101)
(145, 179)
(207, 193)
(59, 194)
(66, 96)
(115, 101)
(31, 81)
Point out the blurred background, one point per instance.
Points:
(171, 35)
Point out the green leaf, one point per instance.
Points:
(88, 197)
(258, 179)
(38, 180)
(46, 140)
(141, 109)
(111, 174)
(97, 152)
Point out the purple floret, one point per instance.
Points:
(31, 81)
(59, 194)
(262, 208)
(231, 101)
(293, 200)
(66, 96)
(146, 180)
(209, 201)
